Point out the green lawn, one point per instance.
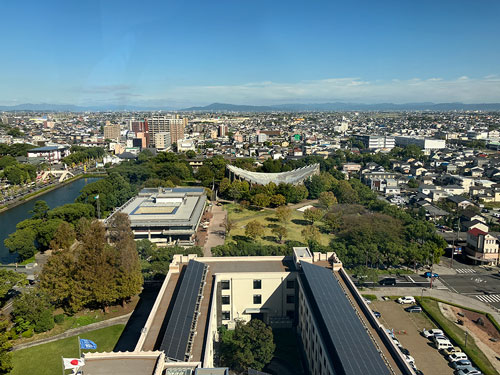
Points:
(267, 218)
(45, 359)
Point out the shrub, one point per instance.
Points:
(28, 333)
(45, 322)
(59, 318)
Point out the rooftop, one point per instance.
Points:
(343, 333)
(176, 206)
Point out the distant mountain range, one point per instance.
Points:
(296, 107)
(340, 106)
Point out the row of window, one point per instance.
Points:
(257, 284)
(257, 299)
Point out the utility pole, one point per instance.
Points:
(453, 246)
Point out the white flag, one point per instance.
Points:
(71, 363)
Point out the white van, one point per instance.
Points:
(443, 344)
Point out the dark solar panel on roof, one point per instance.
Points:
(175, 340)
(352, 352)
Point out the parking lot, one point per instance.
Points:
(407, 328)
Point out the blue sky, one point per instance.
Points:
(179, 53)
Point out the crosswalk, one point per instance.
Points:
(492, 298)
(465, 270)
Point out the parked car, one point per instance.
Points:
(409, 359)
(457, 357)
(431, 332)
(367, 301)
(431, 274)
(443, 344)
(468, 371)
(406, 299)
(377, 314)
(388, 281)
(414, 309)
(461, 364)
(447, 352)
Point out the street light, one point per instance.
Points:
(422, 294)
(466, 334)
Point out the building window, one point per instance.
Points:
(290, 298)
(225, 300)
(224, 284)
(290, 284)
(257, 284)
(257, 299)
(226, 315)
(290, 314)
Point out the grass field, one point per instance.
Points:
(268, 219)
(45, 359)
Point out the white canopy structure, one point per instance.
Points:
(295, 177)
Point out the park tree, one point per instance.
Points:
(64, 237)
(95, 272)
(22, 242)
(229, 225)
(40, 210)
(332, 221)
(345, 193)
(280, 232)
(8, 280)
(311, 234)
(313, 214)
(129, 278)
(261, 200)
(5, 349)
(283, 214)
(34, 307)
(224, 185)
(278, 200)
(45, 232)
(254, 229)
(249, 345)
(57, 277)
(327, 199)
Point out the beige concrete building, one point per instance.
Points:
(302, 292)
(163, 141)
(112, 132)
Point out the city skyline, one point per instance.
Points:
(183, 54)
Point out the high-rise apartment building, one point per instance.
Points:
(112, 132)
(163, 140)
(172, 124)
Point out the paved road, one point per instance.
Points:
(482, 286)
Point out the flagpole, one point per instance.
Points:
(79, 348)
(62, 360)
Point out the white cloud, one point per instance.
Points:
(435, 89)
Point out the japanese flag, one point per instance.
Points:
(71, 363)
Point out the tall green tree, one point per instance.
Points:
(9, 279)
(129, 277)
(250, 345)
(5, 349)
(23, 242)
